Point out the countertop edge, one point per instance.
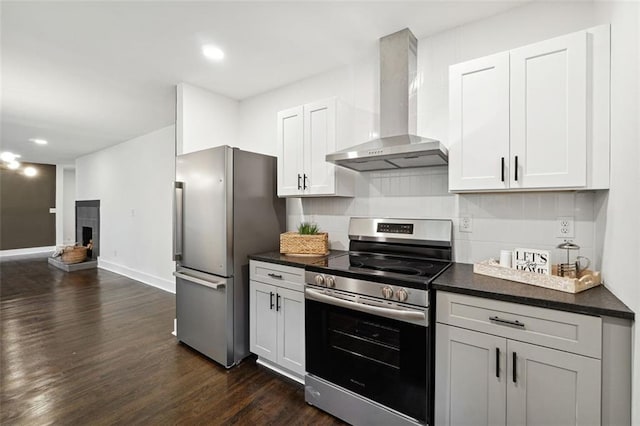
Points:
(562, 306)
(295, 262)
(597, 301)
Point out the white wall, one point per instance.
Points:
(133, 181)
(69, 205)
(356, 85)
(618, 220)
(65, 204)
(204, 119)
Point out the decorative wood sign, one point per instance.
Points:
(532, 260)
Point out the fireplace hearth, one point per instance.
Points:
(87, 234)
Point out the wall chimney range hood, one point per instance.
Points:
(397, 148)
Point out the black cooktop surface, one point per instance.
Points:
(412, 272)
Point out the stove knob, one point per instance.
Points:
(331, 281)
(387, 292)
(319, 280)
(402, 295)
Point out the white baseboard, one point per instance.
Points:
(30, 250)
(161, 283)
(279, 370)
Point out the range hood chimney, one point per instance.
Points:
(398, 147)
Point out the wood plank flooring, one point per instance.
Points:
(94, 347)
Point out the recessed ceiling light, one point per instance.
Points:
(30, 171)
(212, 52)
(8, 157)
(13, 165)
(39, 141)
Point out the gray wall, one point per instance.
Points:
(25, 220)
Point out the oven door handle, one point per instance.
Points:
(374, 310)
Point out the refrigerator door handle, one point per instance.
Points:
(178, 204)
(214, 285)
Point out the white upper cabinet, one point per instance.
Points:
(479, 115)
(533, 118)
(549, 113)
(306, 134)
(290, 131)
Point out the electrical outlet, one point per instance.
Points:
(466, 224)
(564, 227)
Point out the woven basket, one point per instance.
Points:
(294, 243)
(74, 254)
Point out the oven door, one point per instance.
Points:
(378, 357)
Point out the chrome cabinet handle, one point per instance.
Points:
(299, 186)
(304, 182)
(278, 276)
(278, 306)
(270, 300)
(178, 202)
(501, 321)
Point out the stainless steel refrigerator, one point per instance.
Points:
(226, 207)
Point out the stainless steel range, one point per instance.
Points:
(367, 322)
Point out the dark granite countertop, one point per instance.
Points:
(459, 278)
(295, 261)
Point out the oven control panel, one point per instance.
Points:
(368, 288)
(395, 228)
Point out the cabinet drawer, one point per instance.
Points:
(278, 275)
(580, 334)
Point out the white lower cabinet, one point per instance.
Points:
(276, 318)
(486, 378)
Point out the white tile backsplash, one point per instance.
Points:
(500, 220)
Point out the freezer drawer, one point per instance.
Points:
(205, 315)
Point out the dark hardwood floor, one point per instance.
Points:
(94, 347)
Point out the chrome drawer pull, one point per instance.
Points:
(275, 276)
(510, 323)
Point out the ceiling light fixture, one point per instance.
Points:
(212, 52)
(8, 157)
(30, 171)
(13, 165)
(39, 141)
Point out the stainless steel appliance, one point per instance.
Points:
(368, 350)
(225, 208)
(396, 148)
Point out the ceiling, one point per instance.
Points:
(87, 75)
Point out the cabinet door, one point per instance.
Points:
(470, 377)
(549, 113)
(262, 320)
(290, 151)
(479, 124)
(291, 330)
(320, 140)
(551, 387)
